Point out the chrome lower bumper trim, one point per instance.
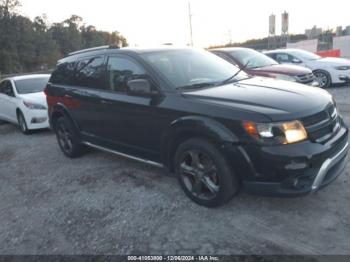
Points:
(123, 155)
(327, 165)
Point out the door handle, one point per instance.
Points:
(68, 96)
(106, 102)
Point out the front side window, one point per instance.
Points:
(283, 58)
(190, 67)
(2, 87)
(90, 72)
(34, 85)
(121, 70)
(6, 88)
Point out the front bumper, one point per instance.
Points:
(344, 78)
(37, 119)
(296, 169)
(341, 76)
(302, 185)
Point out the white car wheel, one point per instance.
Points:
(22, 123)
(323, 78)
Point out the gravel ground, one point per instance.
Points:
(103, 204)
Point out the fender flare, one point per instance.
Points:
(194, 126)
(61, 109)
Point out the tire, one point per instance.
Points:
(204, 174)
(22, 123)
(67, 138)
(323, 78)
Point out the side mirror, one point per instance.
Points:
(140, 87)
(296, 61)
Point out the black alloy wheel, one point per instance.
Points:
(204, 174)
(64, 138)
(67, 138)
(199, 174)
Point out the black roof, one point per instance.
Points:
(229, 49)
(113, 49)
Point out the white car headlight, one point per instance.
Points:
(342, 67)
(34, 106)
(283, 77)
(277, 133)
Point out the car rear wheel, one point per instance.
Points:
(323, 78)
(204, 173)
(67, 138)
(22, 123)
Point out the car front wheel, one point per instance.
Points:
(204, 173)
(323, 78)
(22, 123)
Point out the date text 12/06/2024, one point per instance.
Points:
(173, 258)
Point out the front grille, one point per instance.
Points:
(306, 78)
(314, 119)
(322, 126)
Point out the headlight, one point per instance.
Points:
(283, 77)
(334, 102)
(34, 106)
(277, 133)
(342, 67)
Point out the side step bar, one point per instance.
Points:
(123, 155)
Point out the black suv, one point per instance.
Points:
(197, 115)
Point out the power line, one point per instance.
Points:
(190, 19)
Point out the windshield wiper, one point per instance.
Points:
(198, 85)
(236, 74)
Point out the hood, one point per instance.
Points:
(38, 98)
(333, 61)
(291, 70)
(276, 99)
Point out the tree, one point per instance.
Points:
(27, 46)
(8, 6)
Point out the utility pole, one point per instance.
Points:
(190, 18)
(229, 34)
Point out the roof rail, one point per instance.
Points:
(94, 49)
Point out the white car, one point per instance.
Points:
(23, 102)
(328, 71)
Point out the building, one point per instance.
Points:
(313, 32)
(339, 31)
(347, 30)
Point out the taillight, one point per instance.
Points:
(46, 91)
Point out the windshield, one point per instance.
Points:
(305, 55)
(191, 67)
(32, 85)
(253, 58)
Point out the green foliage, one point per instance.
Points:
(28, 46)
(263, 43)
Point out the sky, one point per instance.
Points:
(215, 22)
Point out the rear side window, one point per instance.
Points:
(120, 71)
(90, 72)
(64, 74)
